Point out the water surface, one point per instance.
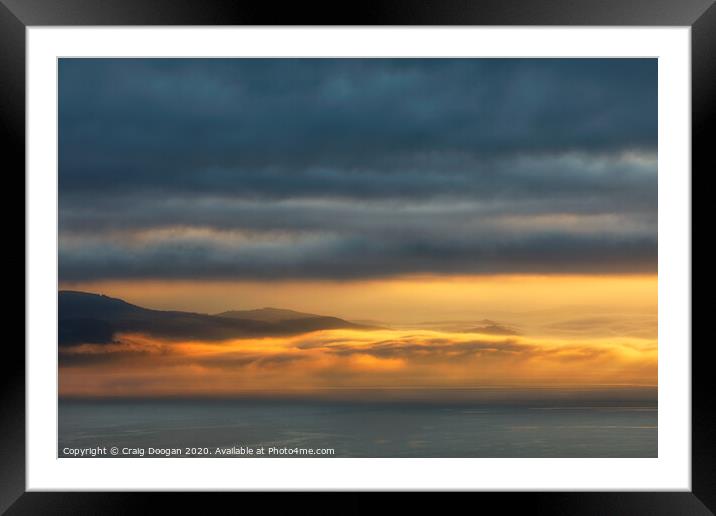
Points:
(365, 429)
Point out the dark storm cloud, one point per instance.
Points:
(341, 155)
(206, 123)
(564, 184)
(355, 258)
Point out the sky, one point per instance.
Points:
(402, 191)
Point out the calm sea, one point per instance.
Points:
(359, 429)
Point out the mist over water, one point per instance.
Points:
(383, 257)
(585, 428)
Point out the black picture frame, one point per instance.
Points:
(17, 15)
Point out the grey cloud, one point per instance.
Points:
(137, 120)
(354, 258)
(413, 346)
(445, 349)
(358, 167)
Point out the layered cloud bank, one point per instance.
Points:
(474, 223)
(257, 169)
(342, 360)
(277, 353)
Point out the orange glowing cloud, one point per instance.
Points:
(137, 365)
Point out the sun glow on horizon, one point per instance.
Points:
(140, 365)
(407, 299)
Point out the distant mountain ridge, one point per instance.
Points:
(267, 314)
(87, 318)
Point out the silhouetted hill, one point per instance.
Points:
(94, 305)
(293, 321)
(267, 314)
(93, 318)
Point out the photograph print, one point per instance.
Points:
(357, 257)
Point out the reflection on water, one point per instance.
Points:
(367, 429)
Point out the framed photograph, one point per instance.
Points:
(418, 249)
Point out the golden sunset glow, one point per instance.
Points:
(430, 333)
(404, 299)
(394, 257)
